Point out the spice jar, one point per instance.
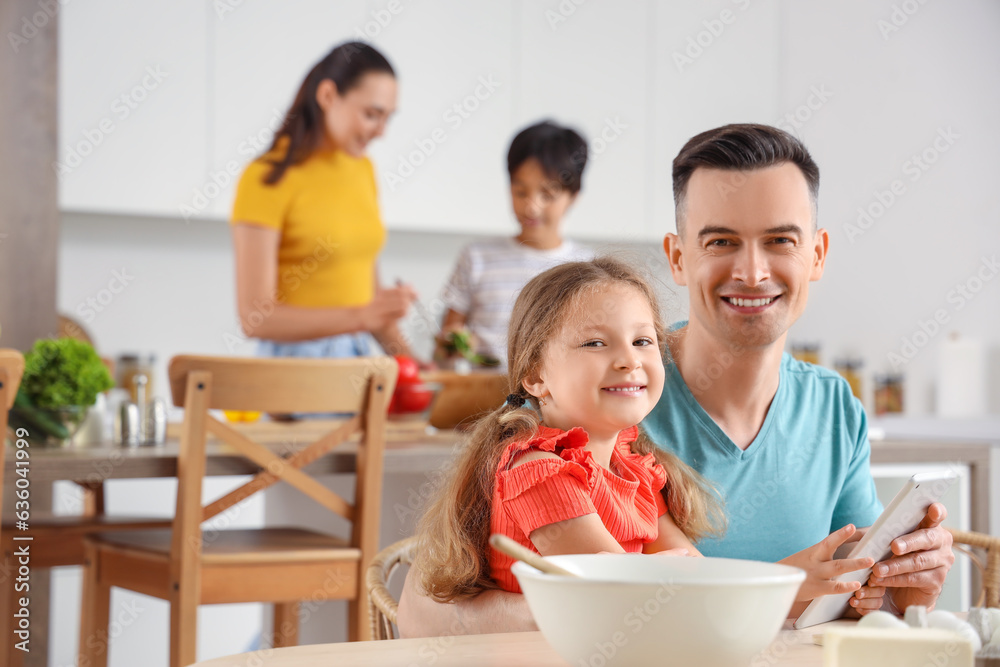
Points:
(130, 367)
(807, 352)
(888, 393)
(850, 369)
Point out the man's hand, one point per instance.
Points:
(821, 570)
(921, 560)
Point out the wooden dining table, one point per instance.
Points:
(790, 648)
(411, 447)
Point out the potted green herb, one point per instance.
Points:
(62, 378)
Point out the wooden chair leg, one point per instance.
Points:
(359, 626)
(94, 612)
(286, 624)
(183, 628)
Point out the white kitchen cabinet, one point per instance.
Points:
(261, 52)
(588, 65)
(442, 162)
(716, 63)
(133, 132)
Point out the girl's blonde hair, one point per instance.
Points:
(453, 553)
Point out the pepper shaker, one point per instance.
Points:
(155, 431)
(140, 392)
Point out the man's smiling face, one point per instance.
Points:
(747, 252)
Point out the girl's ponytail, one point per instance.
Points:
(453, 550)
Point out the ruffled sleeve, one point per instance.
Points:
(651, 475)
(546, 491)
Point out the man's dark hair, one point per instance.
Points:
(561, 151)
(741, 147)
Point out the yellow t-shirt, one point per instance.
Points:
(326, 209)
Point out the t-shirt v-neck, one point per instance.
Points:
(720, 438)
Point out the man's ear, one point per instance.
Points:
(819, 257)
(675, 257)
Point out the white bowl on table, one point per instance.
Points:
(635, 610)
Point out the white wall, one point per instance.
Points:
(876, 100)
(864, 93)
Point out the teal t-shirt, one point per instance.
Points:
(805, 475)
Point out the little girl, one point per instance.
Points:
(561, 467)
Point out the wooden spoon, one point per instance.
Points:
(504, 544)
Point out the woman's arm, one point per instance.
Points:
(262, 316)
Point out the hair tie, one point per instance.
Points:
(515, 400)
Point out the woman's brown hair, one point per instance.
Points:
(453, 553)
(303, 127)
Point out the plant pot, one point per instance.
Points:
(48, 427)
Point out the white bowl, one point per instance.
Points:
(636, 610)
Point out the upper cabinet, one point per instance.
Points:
(261, 52)
(441, 164)
(133, 124)
(164, 103)
(716, 62)
(588, 66)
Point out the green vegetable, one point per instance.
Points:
(63, 372)
(461, 343)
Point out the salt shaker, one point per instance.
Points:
(155, 431)
(127, 424)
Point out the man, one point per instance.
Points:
(785, 442)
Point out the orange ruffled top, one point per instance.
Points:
(544, 491)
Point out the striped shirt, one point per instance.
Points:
(487, 279)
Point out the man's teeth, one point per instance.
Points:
(636, 388)
(750, 303)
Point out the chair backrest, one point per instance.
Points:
(11, 369)
(360, 386)
(990, 594)
(382, 607)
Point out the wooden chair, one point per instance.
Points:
(382, 607)
(11, 369)
(55, 540)
(279, 565)
(990, 594)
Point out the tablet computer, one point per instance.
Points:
(900, 517)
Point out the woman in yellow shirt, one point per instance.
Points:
(306, 224)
